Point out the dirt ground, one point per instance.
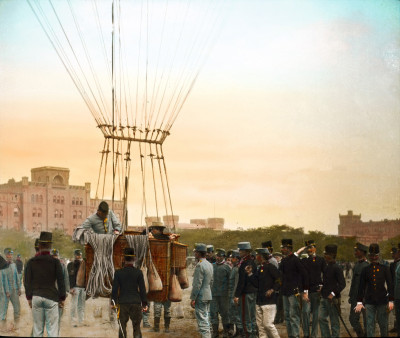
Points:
(102, 327)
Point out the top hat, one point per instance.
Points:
(8, 251)
(287, 242)
(46, 237)
(37, 243)
(267, 244)
(330, 249)
(3, 263)
(55, 252)
(200, 247)
(210, 248)
(235, 254)
(373, 249)
(77, 252)
(244, 246)
(262, 251)
(361, 247)
(129, 252)
(221, 253)
(310, 242)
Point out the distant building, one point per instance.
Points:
(47, 202)
(367, 232)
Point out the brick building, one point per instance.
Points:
(367, 232)
(47, 202)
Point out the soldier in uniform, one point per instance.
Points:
(129, 292)
(360, 252)
(77, 288)
(201, 290)
(268, 281)
(376, 290)
(233, 308)
(20, 266)
(55, 253)
(210, 254)
(333, 284)
(246, 292)
(315, 266)
(43, 273)
(103, 221)
(4, 290)
(271, 258)
(220, 294)
(14, 284)
(396, 258)
(294, 282)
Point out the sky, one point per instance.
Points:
(294, 117)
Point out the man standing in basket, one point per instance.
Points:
(129, 292)
(201, 290)
(103, 221)
(42, 273)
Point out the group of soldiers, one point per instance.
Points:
(244, 287)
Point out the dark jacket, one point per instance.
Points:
(128, 286)
(222, 273)
(315, 266)
(73, 268)
(244, 285)
(333, 280)
(372, 285)
(266, 277)
(355, 281)
(19, 265)
(294, 275)
(42, 273)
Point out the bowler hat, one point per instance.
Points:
(361, 247)
(77, 252)
(310, 242)
(200, 247)
(235, 254)
(330, 249)
(129, 252)
(244, 246)
(221, 253)
(267, 244)
(54, 252)
(287, 242)
(262, 251)
(8, 251)
(373, 249)
(210, 248)
(45, 237)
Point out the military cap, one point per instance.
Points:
(8, 251)
(286, 242)
(373, 249)
(157, 225)
(129, 252)
(54, 252)
(330, 249)
(262, 251)
(361, 247)
(221, 252)
(200, 247)
(18, 255)
(37, 243)
(267, 244)
(310, 242)
(244, 246)
(77, 252)
(3, 263)
(45, 237)
(210, 248)
(235, 254)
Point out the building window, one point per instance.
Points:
(33, 198)
(81, 201)
(34, 212)
(37, 198)
(54, 199)
(62, 199)
(80, 214)
(16, 212)
(40, 199)
(58, 199)
(39, 213)
(34, 227)
(73, 200)
(55, 213)
(61, 213)
(74, 215)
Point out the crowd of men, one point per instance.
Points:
(244, 287)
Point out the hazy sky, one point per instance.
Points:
(293, 119)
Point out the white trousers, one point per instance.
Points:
(265, 315)
(45, 314)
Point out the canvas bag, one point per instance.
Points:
(154, 280)
(183, 278)
(175, 290)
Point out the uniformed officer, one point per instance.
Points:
(360, 252)
(376, 290)
(220, 294)
(233, 308)
(294, 283)
(396, 258)
(77, 288)
(271, 258)
(20, 266)
(201, 290)
(45, 288)
(333, 284)
(55, 253)
(4, 290)
(129, 292)
(210, 254)
(14, 284)
(103, 221)
(315, 266)
(246, 292)
(268, 282)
